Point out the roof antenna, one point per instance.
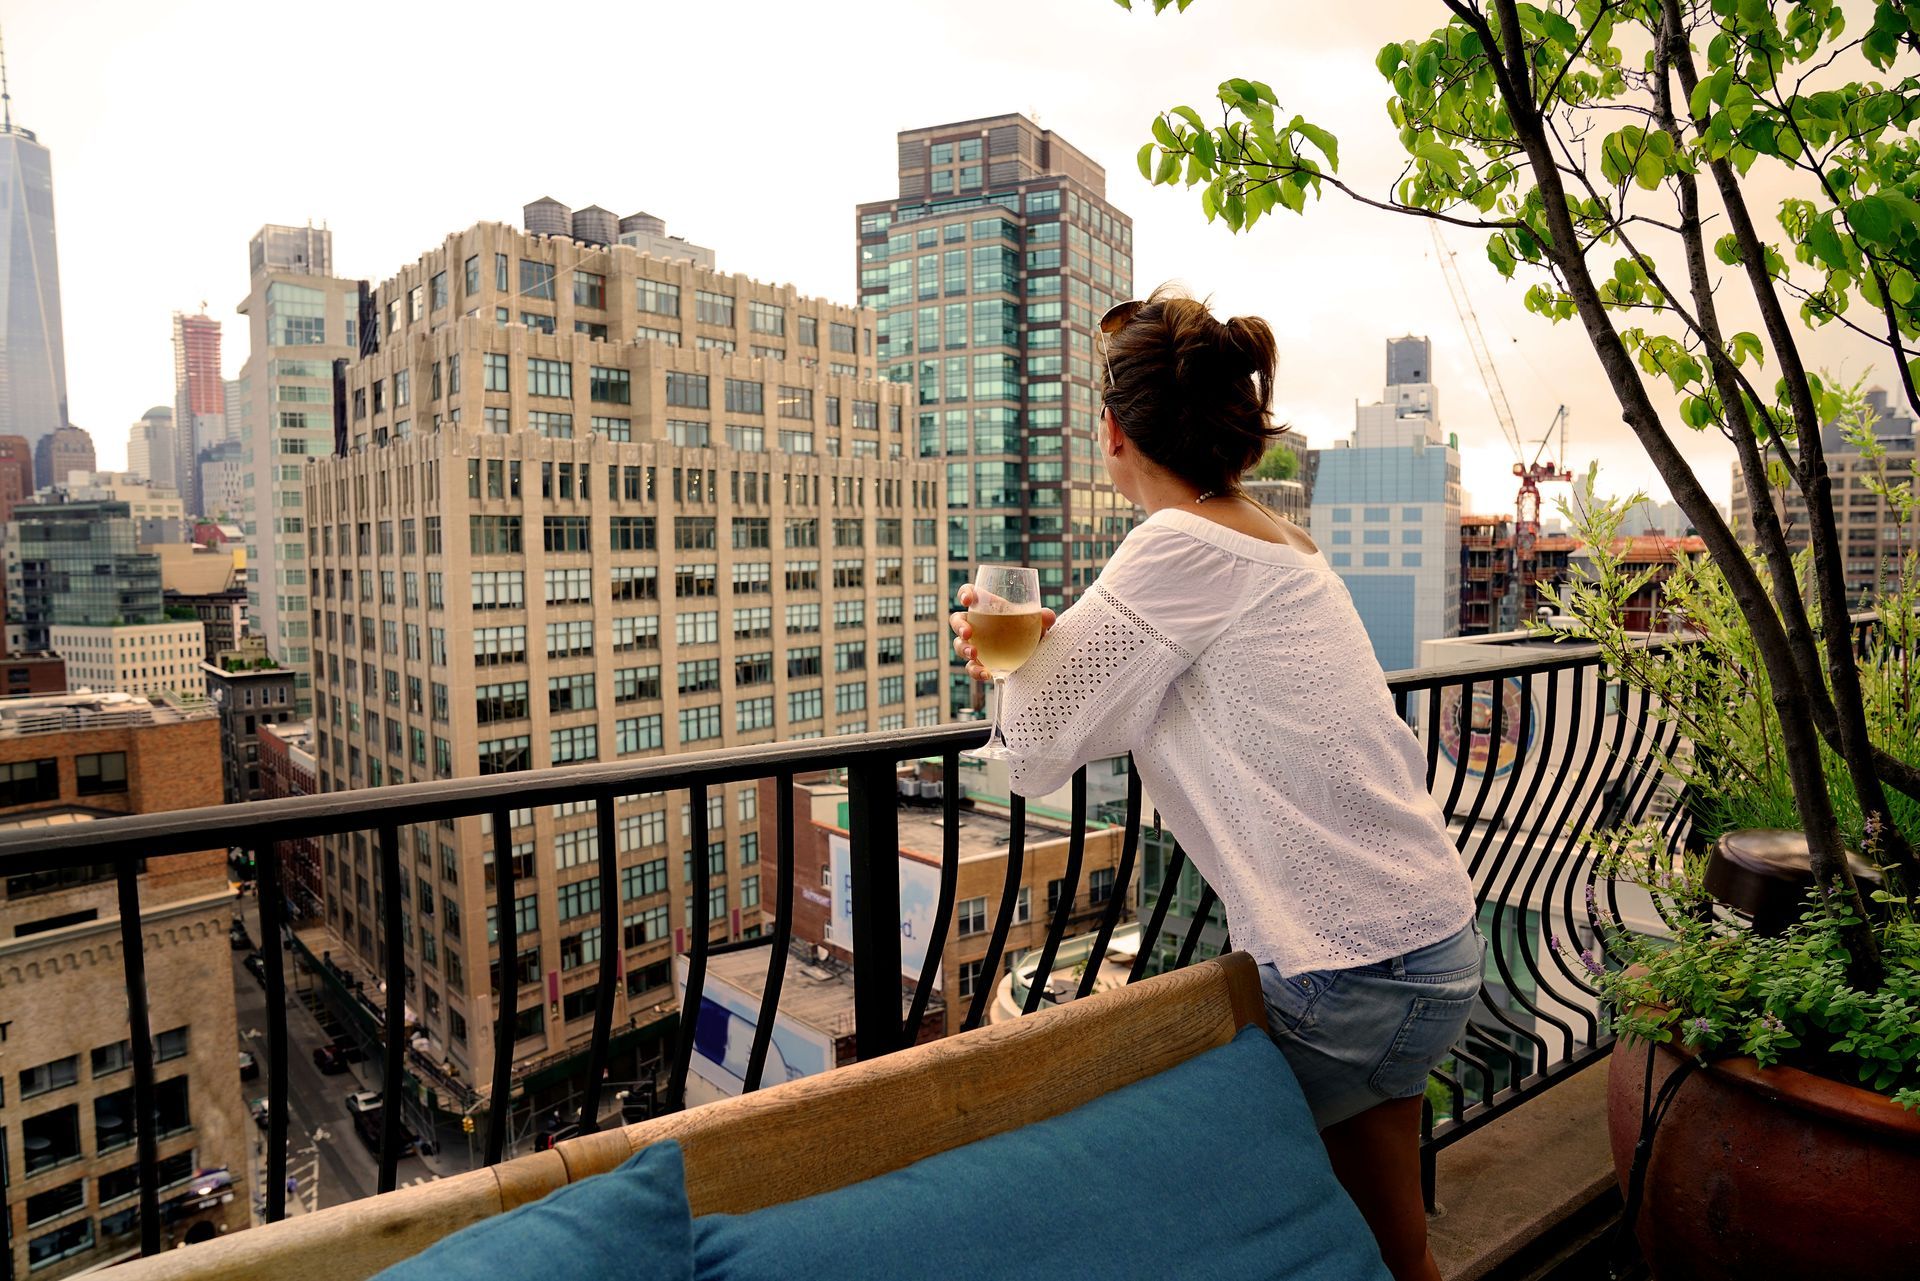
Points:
(6, 99)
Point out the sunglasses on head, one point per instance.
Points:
(1118, 317)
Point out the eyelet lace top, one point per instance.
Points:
(1240, 677)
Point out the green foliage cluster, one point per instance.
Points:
(1725, 990)
(1278, 463)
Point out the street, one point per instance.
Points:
(324, 1154)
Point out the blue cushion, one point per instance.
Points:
(631, 1222)
(1212, 1168)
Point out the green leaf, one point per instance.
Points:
(1900, 285)
(1169, 168)
(1191, 116)
(1747, 344)
(1163, 132)
(1320, 138)
(1698, 106)
(1649, 171)
(1824, 241)
(1203, 147)
(1146, 161)
(1426, 68)
(1388, 60)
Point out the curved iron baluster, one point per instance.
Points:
(1495, 733)
(949, 878)
(1573, 841)
(1169, 887)
(146, 1113)
(609, 979)
(1467, 735)
(696, 951)
(507, 994)
(1522, 753)
(267, 892)
(1003, 920)
(1433, 735)
(1122, 882)
(1517, 1063)
(1069, 891)
(782, 932)
(396, 1016)
(1198, 927)
(1477, 1064)
(1530, 862)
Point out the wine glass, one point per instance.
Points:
(1005, 618)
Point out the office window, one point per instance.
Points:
(612, 386)
(100, 772)
(972, 916)
(589, 290)
(699, 723)
(576, 743)
(713, 309)
(744, 396)
(657, 298)
(637, 734)
(767, 318)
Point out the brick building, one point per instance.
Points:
(286, 769)
(71, 1184)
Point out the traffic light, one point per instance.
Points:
(466, 1123)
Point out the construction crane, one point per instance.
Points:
(1532, 471)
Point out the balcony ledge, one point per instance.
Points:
(1530, 1191)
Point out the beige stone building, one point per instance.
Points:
(161, 660)
(300, 319)
(600, 506)
(1872, 543)
(66, 1106)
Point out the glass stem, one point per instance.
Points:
(997, 738)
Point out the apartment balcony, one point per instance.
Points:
(1514, 1143)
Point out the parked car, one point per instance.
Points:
(256, 966)
(237, 937)
(349, 1049)
(363, 1101)
(368, 1126)
(248, 1068)
(329, 1060)
(259, 1109)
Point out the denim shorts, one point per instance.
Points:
(1366, 1035)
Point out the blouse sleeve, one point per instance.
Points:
(1098, 678)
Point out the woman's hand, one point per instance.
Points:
(963, 632)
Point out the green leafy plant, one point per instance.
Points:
(1604, 147)
(1724, 990)
(1278, 463)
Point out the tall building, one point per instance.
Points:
(71, 1192)
(76, 564)
(16, 473)
(199, 400)
(300, 320)
(600, 505)
(150, 447)
(248, 690)
(1386, 510)
(222, 481)
(990, 270)
(33, 359)
(60, 453)
(1871, 540)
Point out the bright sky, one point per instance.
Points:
(752, 126)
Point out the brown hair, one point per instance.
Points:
(1193, 394)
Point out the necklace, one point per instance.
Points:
(1214, 493)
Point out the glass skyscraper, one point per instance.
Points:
(1386, 510)
(33, 359)
(990, 270)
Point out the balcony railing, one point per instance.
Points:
(1527, 752)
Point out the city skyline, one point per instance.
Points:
(1295, 274)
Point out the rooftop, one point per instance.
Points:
(815, 993)
(983, 833)
(85, 710)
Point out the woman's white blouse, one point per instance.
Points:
(1240, 677)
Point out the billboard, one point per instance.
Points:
(919, 905)
(723, 1038)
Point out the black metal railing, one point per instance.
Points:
(1527, 754)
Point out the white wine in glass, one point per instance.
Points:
(1005, 618)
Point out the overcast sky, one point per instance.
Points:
(752, 126)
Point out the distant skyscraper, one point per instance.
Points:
(990, 271)
(234, 391)
(199, 400)
(1386, 508)
(16, 473)
(60, 453)
(150, 449)
(33, 360)
(299, 321)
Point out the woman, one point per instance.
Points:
(1219, 649)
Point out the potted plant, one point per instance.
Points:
(1612, 152)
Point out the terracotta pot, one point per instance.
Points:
(1769, 1173)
